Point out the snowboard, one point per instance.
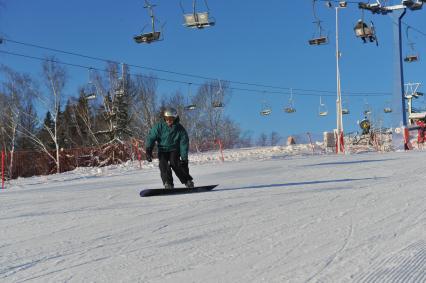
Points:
(175, 191)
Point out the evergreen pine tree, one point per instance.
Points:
(28, 125)
(44, 134)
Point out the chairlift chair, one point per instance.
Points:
(367, 108)
(322, 109)
(365, 32)
(150, 36)
(412, 56)
(318, 38)
(290, 106)
(147, 37)
(387, 109)
(217, 103)
(119, 87)
(375, 8)
(119, 91)
(413, 5)
(266, 110)
(197, 19)
(190, 106)
(90, 89)
(318, 41)
(289, 110)
(345, 109)
(90, 96)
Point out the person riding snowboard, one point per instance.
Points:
(172, 143)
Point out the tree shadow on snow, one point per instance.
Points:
(266, 186)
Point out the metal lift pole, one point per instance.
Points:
(399, 119)
(339, 119)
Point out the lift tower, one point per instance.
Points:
(400, 136)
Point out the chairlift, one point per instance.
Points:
(322, 108)
(90, 88)
(219, 94)
(190, 106)
(345, 109)
(412, 56)
(150, 36)
(119, 88)
(413, 4)
(290, 106)
(387, 109)
(266, 109)
(365, 32)
(196, 19)
(367, 109)
(217, 104)
(319, 38)
(375, 8)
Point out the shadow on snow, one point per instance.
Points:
(347, 162)
(266, 186)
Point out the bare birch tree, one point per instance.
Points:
(54, 77)
(19, 91)
(145, 103)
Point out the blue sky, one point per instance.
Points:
(257, 42)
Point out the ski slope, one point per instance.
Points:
(279, 215)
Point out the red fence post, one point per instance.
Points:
(407, 143)
(2, 169)
(219, 142)
(139, 154)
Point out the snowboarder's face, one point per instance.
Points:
(169, 121)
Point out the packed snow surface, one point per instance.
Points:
(278, 215)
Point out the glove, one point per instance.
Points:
(184, 163)
(148, 154)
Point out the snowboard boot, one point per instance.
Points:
(168, 185)
(189, 184)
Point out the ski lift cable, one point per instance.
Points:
(171, 72)
(180, 81)
(415, 29)
(186, 82)
(159, 70)
(300, 92)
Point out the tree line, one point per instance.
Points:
(113, 107)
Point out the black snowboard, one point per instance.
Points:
(175, 191)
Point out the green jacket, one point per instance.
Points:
(169, 139)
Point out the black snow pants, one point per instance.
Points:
(170, 160)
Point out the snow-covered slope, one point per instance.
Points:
(276, 217)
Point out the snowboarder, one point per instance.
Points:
(172, 143)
